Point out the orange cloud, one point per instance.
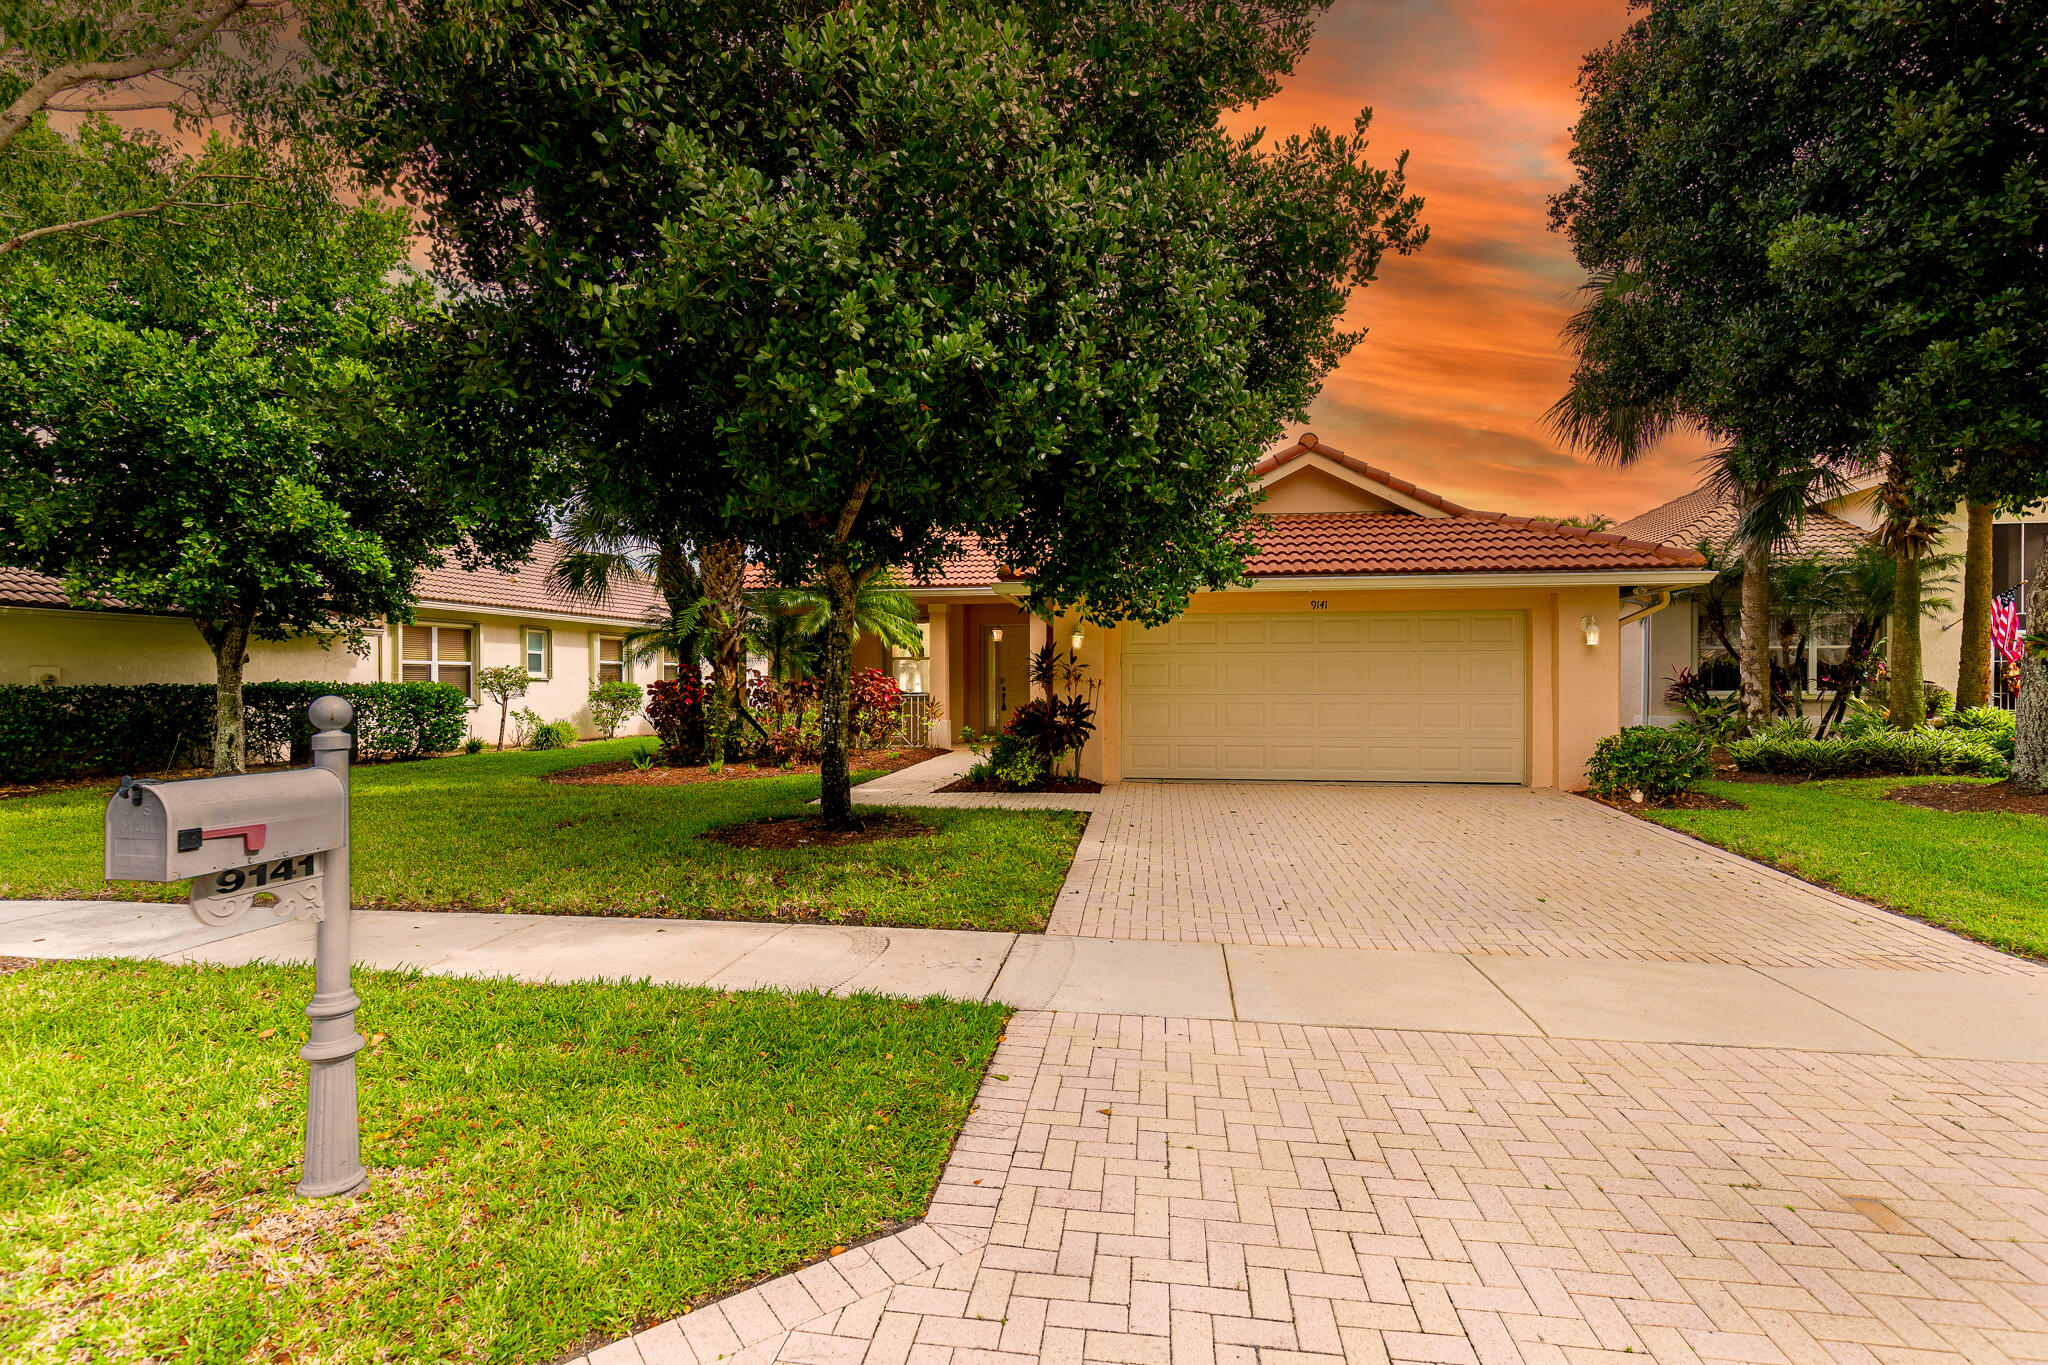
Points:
(1462, 355)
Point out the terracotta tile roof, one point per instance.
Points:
(1705, 515)
(23, 588)
(973, 567)
(528, 588)
(1400, 542)
(523, 589)
(1536, 544)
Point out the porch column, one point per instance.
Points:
(940, 675)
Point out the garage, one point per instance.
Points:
(1329, 696)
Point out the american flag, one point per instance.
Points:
(2005, 627)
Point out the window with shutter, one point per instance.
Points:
(611, 659)
(442, 654)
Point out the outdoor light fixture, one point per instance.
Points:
(996, 634)
(1589, 627)
(1075, 640)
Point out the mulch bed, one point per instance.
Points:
(1969, 797)
(1068, 786)
(1682, 801)
(805, 831)
(16, 964)
(620, 772)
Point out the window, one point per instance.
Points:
(536, 653)
(437, 654)
(670, 669)
(611, 659)
(913, 672)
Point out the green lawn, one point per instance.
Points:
(482, 832)
(1982, 875)
(548, 1162)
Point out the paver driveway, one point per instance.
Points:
(1498, 871)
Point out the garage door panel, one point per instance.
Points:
(1337, 630)
(1293, 630)
(1391, 697)
(1242, 675)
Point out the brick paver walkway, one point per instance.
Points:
(1139, 1191)
(1504, 871)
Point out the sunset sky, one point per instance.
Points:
(1449, 387)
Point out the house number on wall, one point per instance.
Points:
(1318, 606)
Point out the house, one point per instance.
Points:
(1387, 634)
(466, 620)
(1656, 648)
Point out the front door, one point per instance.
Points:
(1004, 678)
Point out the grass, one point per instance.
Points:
(548, 1162)
(482, 832)
(1982, 874)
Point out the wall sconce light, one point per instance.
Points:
(996, 634)
(1589, 626)
(1075, 640)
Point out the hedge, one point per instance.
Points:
(51, 733)
(1882, 751)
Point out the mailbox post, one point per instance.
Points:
(282, 838)
(334, 1162)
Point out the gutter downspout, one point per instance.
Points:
(1655, 605)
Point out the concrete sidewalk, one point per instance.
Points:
(2000, 1017)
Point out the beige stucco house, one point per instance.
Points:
(466, 620)
(1387, 634)
(1657, 647)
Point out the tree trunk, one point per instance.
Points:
(835, 700)
(1756, 632)
(229, 641)
(1973, 679)
(1906, 700)
(722, 568)
(2030, 737)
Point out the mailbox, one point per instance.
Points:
(171, 831)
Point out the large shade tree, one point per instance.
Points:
(932, 271)
(1825, 220)
(242, 417)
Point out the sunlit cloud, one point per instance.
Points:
(1462, 356)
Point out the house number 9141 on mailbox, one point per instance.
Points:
(280, 838)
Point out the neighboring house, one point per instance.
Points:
(465, 620)
(1656, 648)
(1387, 635)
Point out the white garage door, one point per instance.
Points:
(1373, 697)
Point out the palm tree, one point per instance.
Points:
(1619, 407)
(881, 608)
(1907, 534)
(703, 589)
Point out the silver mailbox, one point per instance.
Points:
(169, 831)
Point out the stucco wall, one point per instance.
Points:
(117, 647)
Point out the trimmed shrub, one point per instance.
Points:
(612, 704)
(1940, 701)
(1649, 759)
(1878, 752)
(554, 734)
(52, 733)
